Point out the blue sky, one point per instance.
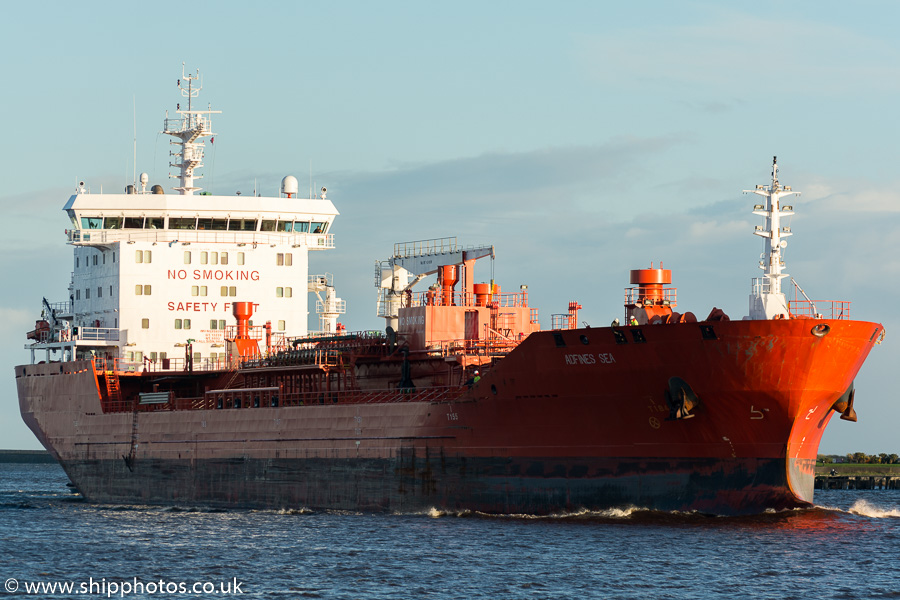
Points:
(582, 139)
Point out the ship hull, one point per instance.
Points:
(532, 486)
(568, 421)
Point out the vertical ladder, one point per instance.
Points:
(112, 389)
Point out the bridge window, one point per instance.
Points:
(301, 226)
(182, 223)
(112, 223)
(318, 227)
(242, 225)
(154, 223)
(92, 222)
(133, 223)
(267, 225)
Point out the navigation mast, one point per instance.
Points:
(767, 300)
(193, 125)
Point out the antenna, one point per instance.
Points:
(134, 142)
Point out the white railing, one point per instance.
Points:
(422, 247)
(313, 241)
(98, 334)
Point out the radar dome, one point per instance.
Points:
(289, 186)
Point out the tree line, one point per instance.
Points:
(863, 458)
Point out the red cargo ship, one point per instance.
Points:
(463, 403)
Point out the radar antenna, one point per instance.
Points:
(189, 127)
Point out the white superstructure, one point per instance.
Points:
(155, 274)
(767, 299)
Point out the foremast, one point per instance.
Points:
(767, 299)
(191, 126)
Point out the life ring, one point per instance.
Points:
(820, 330)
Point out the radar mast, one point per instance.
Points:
(767, 300)
(191, 126)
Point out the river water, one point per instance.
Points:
(846, 547)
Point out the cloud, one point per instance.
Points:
(725, 49)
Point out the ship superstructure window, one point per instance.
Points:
(78, 294)
(198, 290)
(87, 293)
(228, 291)
(133, 223)
(240, 258)
(223, 258)
(112, 223)
(145, 323)
(187, 257)
(95, 260)
(212, 224)
(217, 325)
(242, 225)
(182, 223)
(99, 292)
(154, 223)
(143, 256)
(182, 323)
(110, 291)
(284, 259)
(77, 262)
(267, 225)
(283, 292)
(280, 325)
(301, 226)
(142, 290)
(318, 227)
(91, 222)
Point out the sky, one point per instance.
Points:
(581, 139)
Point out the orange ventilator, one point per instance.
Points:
(448, 278)
(650, 284)
(482, 291)
(246, 346)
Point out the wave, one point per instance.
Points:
(294, 511)
(620, 514)
(865, 508)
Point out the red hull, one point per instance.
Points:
(567, 420)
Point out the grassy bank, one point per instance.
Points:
(858, 470)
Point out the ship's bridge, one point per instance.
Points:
(155, 217)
